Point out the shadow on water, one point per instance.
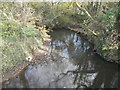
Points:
(71, 64)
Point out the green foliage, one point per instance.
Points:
(109, 17)
(15, 46)
(30, 32)
(17, 39)
(10, 29)
(57, 14)
(107, 47)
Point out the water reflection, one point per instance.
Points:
(71, 64)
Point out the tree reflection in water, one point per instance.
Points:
(92, 71)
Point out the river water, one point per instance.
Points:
(71, 63)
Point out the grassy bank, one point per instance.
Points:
(19, 37)
(18, 43)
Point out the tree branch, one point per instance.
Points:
(84, 10)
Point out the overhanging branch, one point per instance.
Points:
(84, 10)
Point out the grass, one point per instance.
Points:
(17, 43)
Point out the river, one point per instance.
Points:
(71, 63)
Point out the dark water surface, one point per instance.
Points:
(71, 64)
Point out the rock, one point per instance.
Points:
(29, 58)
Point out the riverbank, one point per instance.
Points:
(71, 63)
(37, 56)
(103, 53)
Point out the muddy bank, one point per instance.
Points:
(38, 56)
